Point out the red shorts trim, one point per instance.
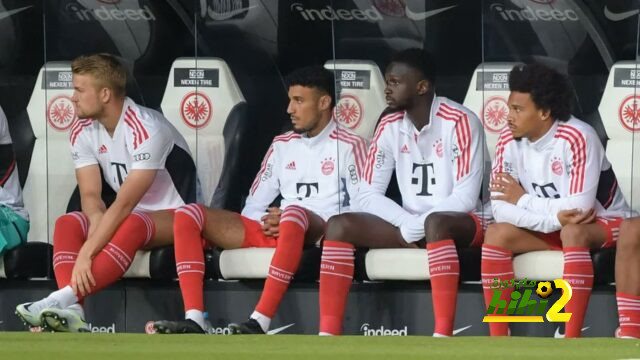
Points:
(253, 235)
(481, 227)
(611, 227)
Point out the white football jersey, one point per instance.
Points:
(143, 139)
(321, 174)
(10, 190)
(439, 168)
(565, 169)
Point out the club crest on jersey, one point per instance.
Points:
(404, 149)
(556, 165)
(327, 166)
(439, 148)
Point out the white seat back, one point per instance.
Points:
(51, 177)
(198, 98)
(361, 89)
(487, 97)
(620, 112)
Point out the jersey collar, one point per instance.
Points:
(127, 102)
(324, 134)
(410, 129)
(546, 139)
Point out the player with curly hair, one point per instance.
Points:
(552, 189)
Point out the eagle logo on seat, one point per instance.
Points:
(348, 112)
(61, 113)
(629, 114)
(494, 114)
(196, 110)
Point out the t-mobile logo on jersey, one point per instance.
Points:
(307, 189)
(121, 171)
(546, 191)
(425, 176)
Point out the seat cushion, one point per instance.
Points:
(397, 264)
(539, 265)
(253, 263)
(413, 264)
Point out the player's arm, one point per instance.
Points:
(155, 148)
(265, 187)
(504, 211)
(379, 167)
(87, 176)
(587, 157)
(134, 187)
(90, 187)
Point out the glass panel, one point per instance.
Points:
(240, 38)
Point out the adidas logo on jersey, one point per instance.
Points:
(404, 149)
(291, 166)
(102, 149)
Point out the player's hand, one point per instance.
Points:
(576, 216)
(81, 276)
(508, 186)
(271, 222)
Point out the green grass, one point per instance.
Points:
(139, 346)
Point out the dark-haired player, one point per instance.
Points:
(436, 148)
(552, 188)
(315, 168)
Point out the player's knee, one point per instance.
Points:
(67, 220)
(499, 234)
(574, 235)
(70, 223)
(629, 236)
(438, 226)
(188, 216)
(339, 228)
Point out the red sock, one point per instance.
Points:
(115, 258)
(497, 263)
(628, 315)
(188, 223)
(444, 270)
(285, 261)
(69, 235)
(578, 272)
(336, 275)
